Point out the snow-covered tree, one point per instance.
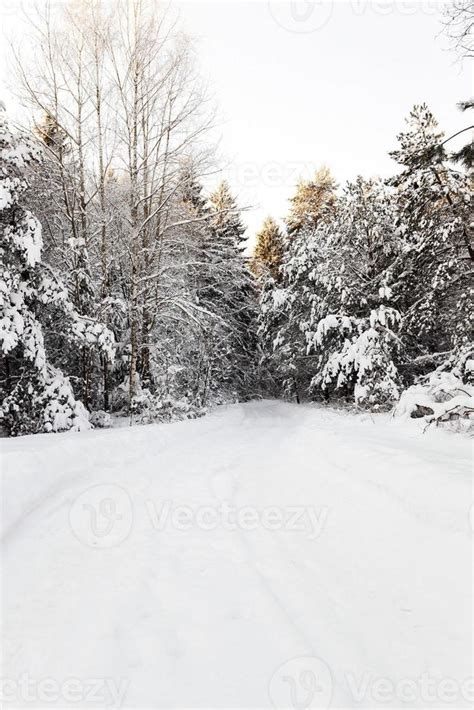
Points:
(337, 323)
(231, 297)
(378, 290)
(36, 396)
(431, 279)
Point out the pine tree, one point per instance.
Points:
(431, 281)
(464, 155)
(269, 251)
(314, 201)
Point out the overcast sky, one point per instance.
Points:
(299, 84)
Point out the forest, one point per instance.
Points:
(127, 286)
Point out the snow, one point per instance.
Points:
(7, 193)
(28, 239)
(280, 296)
(263, 554)
(330, 322)
(442, 395)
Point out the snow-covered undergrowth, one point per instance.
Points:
(442, 399)
(265, 555)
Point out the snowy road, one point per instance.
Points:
(266, 555)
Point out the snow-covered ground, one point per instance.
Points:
(266, 555)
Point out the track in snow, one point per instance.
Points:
(268, 554)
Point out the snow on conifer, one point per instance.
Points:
(376, 289)
(36, 396)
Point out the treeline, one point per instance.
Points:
(369, 289)
(124, 288)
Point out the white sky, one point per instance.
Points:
(299, 84)
(293, 98)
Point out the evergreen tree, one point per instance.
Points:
(231, 297)
(269, 251)
(35, 395)
(227, 224)
(335, 320)
(377, 291)
(314, 201)
(352, 328)
(431, 281)
(464, 155)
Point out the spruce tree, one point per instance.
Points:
(331, 324)
(227, 224)
(232, 297)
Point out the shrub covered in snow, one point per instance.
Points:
(445, 397)
(100, 419)
(147, 408)
(43, 403)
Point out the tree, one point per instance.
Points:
(35, 395)
(269, 250)
(230, 295)
(227, 224)
(314, 201)
(458, 25)
(120, 85)
(431, 281)
(335, 321)
(459, 21)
